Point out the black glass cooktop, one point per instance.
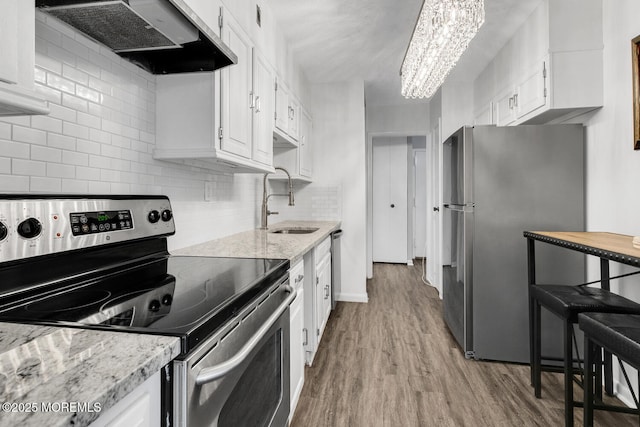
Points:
(190, 297)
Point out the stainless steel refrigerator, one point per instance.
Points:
(499, 182)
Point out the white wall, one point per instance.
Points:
(409, 119)
(339, 160)
(613, 199)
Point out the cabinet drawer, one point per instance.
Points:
(296, 274)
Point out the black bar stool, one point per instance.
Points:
(567, 302)
(618, 334)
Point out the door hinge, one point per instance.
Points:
(317, 332)
(305, 331)
(317, 280)
(220, 132)
(545, 92)
(220, 19)
(276, 86)
(544, 70)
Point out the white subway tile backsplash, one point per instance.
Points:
(14, 184)
(88, 94)
(87, 173)
(56, 170)
(75, 158)
(77, 131)
(78, 49)
(75, 103)
(45, 185)
(61, 141)
(15, 150)
(28, 167)
(75, 74)
(5, 165)
(48, 63)
(111, 151)
(100, 136)
(63, 113)
(46, 154)
(5, 130)
(89, 120)
(57, 82)
(29, 135)
(46, 123)
(74, 186)
(97, 187)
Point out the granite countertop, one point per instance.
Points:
(264, 243)
(41, 365)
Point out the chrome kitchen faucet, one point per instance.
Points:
(265, 198)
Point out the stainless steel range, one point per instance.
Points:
(101, 262)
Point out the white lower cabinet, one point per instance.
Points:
(297, 335)
(318, 291)
(140, 408)
(323, 294)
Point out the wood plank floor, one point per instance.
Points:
(393, 362)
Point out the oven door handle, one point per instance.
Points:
(206, 375)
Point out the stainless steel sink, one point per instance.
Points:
(298, 230)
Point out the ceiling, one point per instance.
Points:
(338, 40)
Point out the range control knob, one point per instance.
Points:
(167, 215)
(3, 231)
(154, 216)
(29, 228)
(154, 305)
(167, 299)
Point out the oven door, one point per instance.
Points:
(240, 377)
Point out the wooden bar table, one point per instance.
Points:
(607, 246)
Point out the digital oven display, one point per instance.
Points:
(100, 222)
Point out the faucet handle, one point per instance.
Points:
(272, 212)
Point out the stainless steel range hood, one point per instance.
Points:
(161, 36)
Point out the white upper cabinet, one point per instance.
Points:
(287, 117)
(263, 108)
(221, 120)
(551, 69)
(17, 50)
(297, 160)
(237, 100)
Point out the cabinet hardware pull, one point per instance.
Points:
(511, 103)
(257, 104)
(326, 292)
(299, 278)
(251, 101)
(515, 100)
(305, 331)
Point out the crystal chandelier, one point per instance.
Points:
(442, 33)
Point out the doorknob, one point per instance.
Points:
(436, 209)
(393, 206)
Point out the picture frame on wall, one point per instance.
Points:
(635, 55)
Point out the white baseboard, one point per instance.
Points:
(621, 391)
(352, 297)
(410, 263)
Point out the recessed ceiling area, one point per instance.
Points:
(337, 40)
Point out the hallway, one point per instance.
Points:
(392, 362)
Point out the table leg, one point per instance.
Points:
(605, 284)
(531, 268)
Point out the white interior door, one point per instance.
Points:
(434, 204)
(390, 200)
(420, 204)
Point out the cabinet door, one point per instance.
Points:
(297, 354)
(323, 294)
(264, 105)
(305, 147)
(504, 112)
(208, 11)
(9, 38)
(294, 117)
(282, 106)
(531, 93)
(236, 96)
